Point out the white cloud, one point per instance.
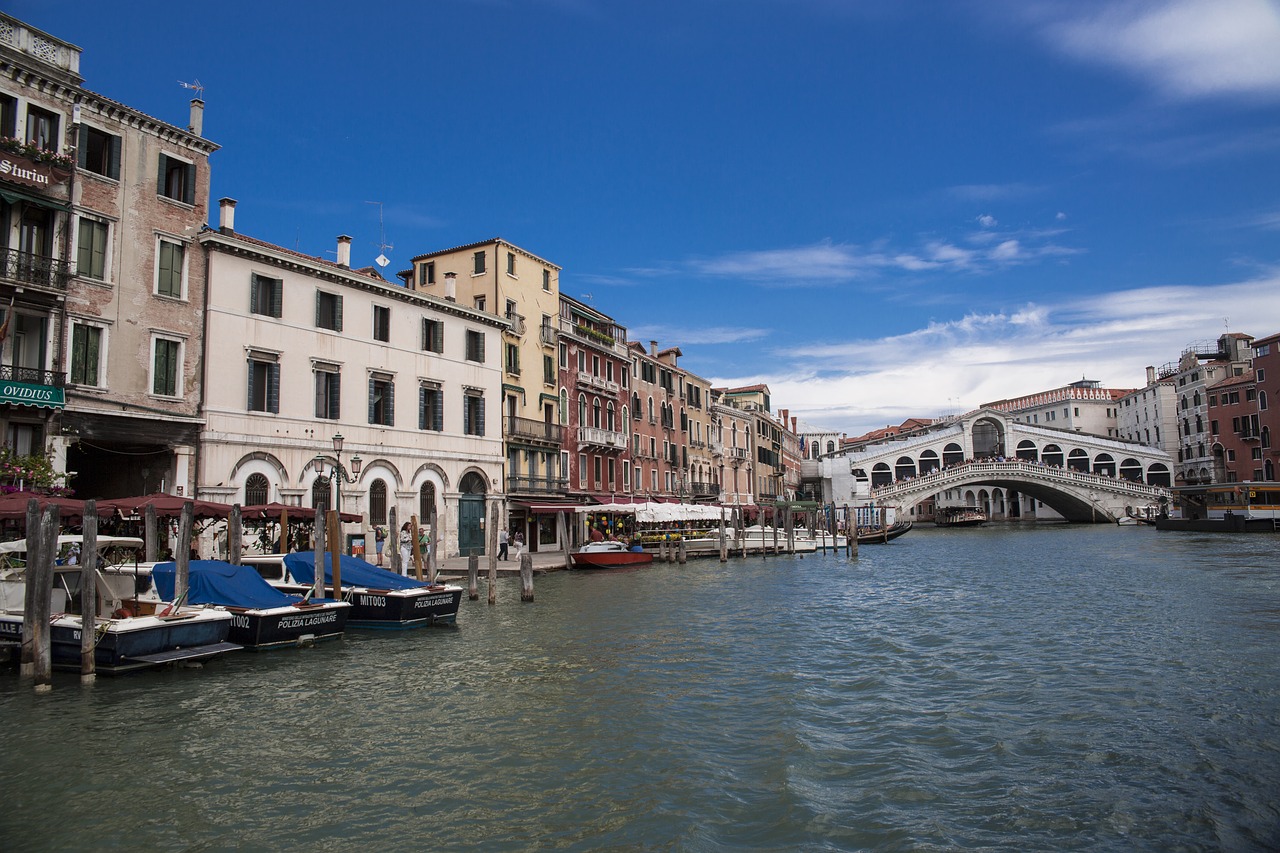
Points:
(986, 220)
(669, 335)
(1184, 48)
(855, 386)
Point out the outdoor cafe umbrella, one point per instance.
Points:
(166, 506)
(14, 506)
(273, 511)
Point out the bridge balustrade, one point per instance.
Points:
(939, 479)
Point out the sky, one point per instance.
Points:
(881, 208)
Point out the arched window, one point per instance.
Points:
(1262, 400)
(582, 410)
(651, 418)
(595, 412)
(564, 405)
(609, 420)
(831, 447)
(426, 501)
(378, 502)
(320, 493)
(635, 405)
(626, 422)
(257, 490)
(1195, 399)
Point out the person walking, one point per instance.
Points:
(519, 542)
(379, 538)
(502, 544)
(406, 547)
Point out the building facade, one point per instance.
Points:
(1083, 406)
(595, 406)
(301, 349)
(1266, 374)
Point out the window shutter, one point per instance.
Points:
(372, 408)
(422, 408)
(164, 168)
(439, 324)
(82, 147)
(337, 313)
(249, 402)
(319, 301)
(113, 162)
(480, 415)
(437, 416)
(255, 285)
(277, 298)
(273, 393)
(189, 184)
(335, 396)
(390, 407)
(466, 416)
(426, 338)
(480, 347)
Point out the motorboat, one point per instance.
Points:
(378, 598)
(608, 555)
(959, 516)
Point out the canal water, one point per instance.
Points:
(1006, 688)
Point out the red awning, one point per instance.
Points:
(542, 509)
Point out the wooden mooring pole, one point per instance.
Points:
(321, 541)
(150, 530)
(89, 592)
(394, 538)
(473, 577)
(235, 527)
(433, 568)
(182, 559)
(493, 553)
(526, 576)
(724, 542)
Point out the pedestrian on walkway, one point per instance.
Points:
(406, 547)
(502, 544)
(519, 543)
(379, 538)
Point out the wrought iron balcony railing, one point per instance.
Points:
(29, 269)
(32, 376)
(529, 428)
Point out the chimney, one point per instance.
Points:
(793, 424)
(227, 215)
(451, 286)
(1151, 375)
(344, 251)
(653, 348)
(197, 117)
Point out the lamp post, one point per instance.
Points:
(338, 474)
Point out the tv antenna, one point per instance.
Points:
(197, 85)
(383, 246)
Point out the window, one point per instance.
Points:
(86, 347)
(564, 406)
(177, 179)
(513, 359)
(473, 413)
(8, 116)
(582, 410)
(548, 370)
(328, 392)
(98, 152)
(475, 346)
(428, 272)
(171, 265)
(42, 128)
(427, 502)
(595, 465)
(478, 303)
(626, 475)
(546, 280)
(166, 362)
(432, 335)
(257, 490)
(511, 263)
(91, 257)
(381, 323)
(564, 356)
(382, 399)
(479, 263)
(430, 407)
(266, 295)
(328, 311)
(582, 470)
(378, 502)
(264, 383)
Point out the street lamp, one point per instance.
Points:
(338, 474)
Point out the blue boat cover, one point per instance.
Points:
(216, 582)
(355, 572)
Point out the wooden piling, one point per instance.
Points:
(321, 551)
(335, 555)
(773, 517)
(417, 546)
(235, 532)
(851, 531)
(182, 559)
(26, 655)
(284, 531)
(432, 543)
(394, 538)
(151, 531)
(682, 555)
(788, 519)
(88, 591)
(724, 542)
(526, 576)
(493, 552)
(42, 600)
(884, 522)
(742, 531)
(473, 582)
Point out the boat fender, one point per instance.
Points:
(123, 612)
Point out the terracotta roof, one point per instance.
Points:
(367, 272)
(489, 242)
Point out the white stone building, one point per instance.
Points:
(299, 349)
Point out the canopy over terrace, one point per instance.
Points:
(657, 513)
(13, 506)
(166, 506)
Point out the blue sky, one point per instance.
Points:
(881, 208)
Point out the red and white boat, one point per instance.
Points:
(608, 555)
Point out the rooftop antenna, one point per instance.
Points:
(383, 246)
(197, 85)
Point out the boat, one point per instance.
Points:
(379, 598)
(127, 638)
(263, 617)
(877, 535)
(1244, 507)
(959, 516)
(608, 555)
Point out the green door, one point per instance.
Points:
(470, 525)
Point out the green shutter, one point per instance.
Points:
(273, 392)
(82, 147)
(189, 183)
(248, 406)
(437, 414)
(255, 285)
(335, 395)
(337, 314)
(390, 408)
(422, 408)
(164, 169)
(113, 161)
(277, 298)
(466, 415)
(480, 415)
(372, 407)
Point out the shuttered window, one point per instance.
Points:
(328, 393)
(264, 384)
(98, 152)
(177, 179)
(382, 402)
(166, 363)
(475, 346)
(328, 311)
(431, 407)
(91, 253)
(473, 413)
(86, 342)
(432, 335)
(169, 265)
(266, 295)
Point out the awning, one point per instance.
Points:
(13, 195)
(541, 509)
(24, 394)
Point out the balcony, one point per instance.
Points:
(598, 383)
(595, 437)
(704, 489)
(517, 323)
(536, 485)
(615, 342)
(34, 270)
(547, 335)
(532, 430)
(735, 452)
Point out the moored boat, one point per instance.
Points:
(608, 555)
(877, 535)
(959, 516)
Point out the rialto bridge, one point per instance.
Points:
(1010, 469)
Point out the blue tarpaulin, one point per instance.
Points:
(216, 582)
(355, 572)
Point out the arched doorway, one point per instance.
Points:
(471, 515)
(952, 454)
(378, 502)
(928, 462)
(1027, 450)
(1051, 455)
(988, 439)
